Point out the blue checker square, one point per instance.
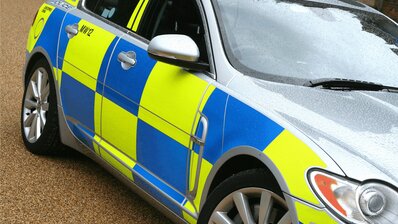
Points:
(153, 147)
(77, 101)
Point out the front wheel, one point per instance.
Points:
(247, 197)
(39, 115)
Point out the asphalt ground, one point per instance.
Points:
(37, 189)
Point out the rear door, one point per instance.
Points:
(87, 39)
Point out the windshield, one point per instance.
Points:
(296, 41)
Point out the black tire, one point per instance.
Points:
(49, 142)
(250, 178)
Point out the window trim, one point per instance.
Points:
(209, 45)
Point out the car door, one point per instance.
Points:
(87, 39)
(150, 110)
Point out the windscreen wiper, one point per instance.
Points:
(349, 85)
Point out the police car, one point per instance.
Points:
(224, 111)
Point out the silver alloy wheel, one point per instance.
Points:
(251, 205)
(36, 105)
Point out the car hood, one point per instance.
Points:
(357, 129)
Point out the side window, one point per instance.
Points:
(91, 4)
(116, 11)
(175, 17)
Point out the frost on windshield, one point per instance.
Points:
(289, 39)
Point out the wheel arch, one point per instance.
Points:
(230, 163)
(67, 138)
(31, 58)
(259, 160)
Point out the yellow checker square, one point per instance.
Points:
(119, 127)
(174, 95)
(87, 50)
(292, 168)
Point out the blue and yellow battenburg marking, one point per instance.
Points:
(157, 110)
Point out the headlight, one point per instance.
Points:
(378, 203)
(353, 202)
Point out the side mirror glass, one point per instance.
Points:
(176, 49)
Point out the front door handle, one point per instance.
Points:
(72, 30)
(127, 59)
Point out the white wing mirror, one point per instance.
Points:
(176, 49)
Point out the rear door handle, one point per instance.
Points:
(72, 30)
(127, 59)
